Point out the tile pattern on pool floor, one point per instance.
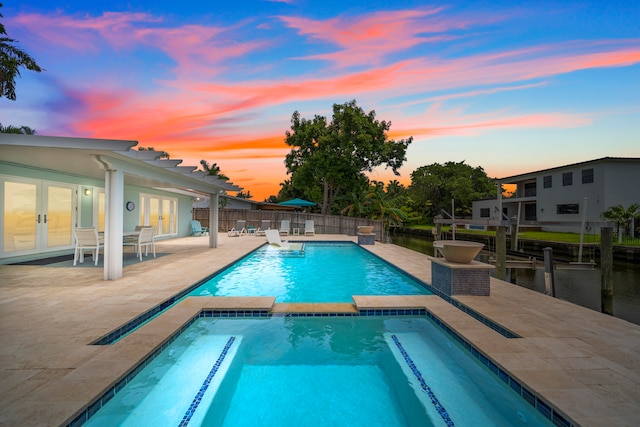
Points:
(205, 385)
(416, 372)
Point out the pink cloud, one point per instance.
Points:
(195, 48)
(366, 40)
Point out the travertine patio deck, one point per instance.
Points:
(582, 362)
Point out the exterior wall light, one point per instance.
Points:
(87, 191)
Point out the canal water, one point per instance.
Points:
(580, 287)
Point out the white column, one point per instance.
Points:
(113, 224)
(213, 220)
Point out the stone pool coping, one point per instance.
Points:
(583, 362)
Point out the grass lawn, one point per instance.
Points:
(547, 236)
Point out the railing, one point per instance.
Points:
(626, 240)
(323, 224)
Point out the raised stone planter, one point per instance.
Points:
(452, 278)
(458, 273)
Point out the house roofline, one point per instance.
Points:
(526, 175)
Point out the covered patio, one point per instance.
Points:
(41, 170)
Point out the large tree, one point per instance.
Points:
(434, 186)
(11, 60)
(329, 159)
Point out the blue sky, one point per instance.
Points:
(509, 86)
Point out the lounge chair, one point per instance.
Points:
(273, 237)
(145, 239)
(309, 228)
(197, 229)
(285, 226)
(266, 225)
(239, 229)
(87, 239)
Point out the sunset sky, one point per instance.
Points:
(510, 86)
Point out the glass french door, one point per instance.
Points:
(38, 216)
(159, 212)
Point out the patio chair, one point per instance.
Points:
(285, 226)
(265, 225)
(134, 237)
(239, 229)
(87, 239)
(273, 238)
(197, 229)
(145, 239)
(309, 228)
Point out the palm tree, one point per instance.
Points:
(383, 207)
(11, 60)
(357, 204)
(161, 154)
(243, 195)
(213, 169)
(22, 130)
(624, 218)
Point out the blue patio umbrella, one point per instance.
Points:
(298, 203)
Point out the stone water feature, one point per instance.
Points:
(366, 236)
(456, 273)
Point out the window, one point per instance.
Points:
(587, 176)
(568, 209)
(547, 181)
(485, 212)
(567, 178)
(530, 189)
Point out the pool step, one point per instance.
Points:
(279, 308)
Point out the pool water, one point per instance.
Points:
(348, 371)
(323, 272)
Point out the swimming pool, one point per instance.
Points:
(356, 371)
(323, 272)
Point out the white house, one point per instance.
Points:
(51, 185)
(560, 198)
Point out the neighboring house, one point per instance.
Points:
(51, 185)
(558, 199)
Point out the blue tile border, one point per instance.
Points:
(207, 312)
(530, 397)
(394, 312)
(205, 385)
(313, 314)
(416, 372)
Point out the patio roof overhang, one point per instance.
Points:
(82, 157)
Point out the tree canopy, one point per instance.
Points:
(329, 159)
(434, 186)
(11, 60)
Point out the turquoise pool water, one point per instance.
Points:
(285, 371)
(324, 272)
